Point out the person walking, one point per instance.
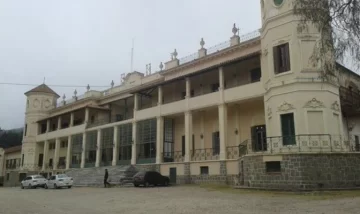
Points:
(106, 183)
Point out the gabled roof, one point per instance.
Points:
(42, 89)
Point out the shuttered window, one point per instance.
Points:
(281, 58)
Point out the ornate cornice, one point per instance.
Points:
(314, 103)
(285, 107)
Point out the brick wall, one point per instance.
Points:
(305, 171)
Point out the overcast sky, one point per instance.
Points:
(80, 42)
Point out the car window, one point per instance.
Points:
(28, 178)
(52, 178)
(62, 176)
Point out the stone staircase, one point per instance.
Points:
(118, 175)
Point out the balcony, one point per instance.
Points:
(350, 101)
(311, 143)
(170, 157)
(205, 154)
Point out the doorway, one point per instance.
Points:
(172, 174)
(258, 138)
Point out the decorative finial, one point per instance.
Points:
(112, 83)
(202, 43)
(64, 97)
(75, 97)
(88, 87)
(161, 66)
(175, 53)
(235, 29)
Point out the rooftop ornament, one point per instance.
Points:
(235, 30)
(75, 97)
(174, 55)
(64, 101)
(202, 43)
(88, 87)
(161, 66)
(112, 83)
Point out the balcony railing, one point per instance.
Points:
(305, 144)
(173, 157)
(350, 100)
(205, 154)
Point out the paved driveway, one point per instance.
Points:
(182, 199)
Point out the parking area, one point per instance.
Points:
(180, 199)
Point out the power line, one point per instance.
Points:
(64, 86)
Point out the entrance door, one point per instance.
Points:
(242, 175)
(258, 134)
(172, 175)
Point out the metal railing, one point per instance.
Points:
(205, 154)
(313, 143)
(232, 152)
(220, 47)
(349, 97)
(176, 156)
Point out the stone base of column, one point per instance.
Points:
(187, 175)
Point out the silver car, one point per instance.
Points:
(33, 181)
(59, 181)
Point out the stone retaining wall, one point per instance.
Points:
(304, 171)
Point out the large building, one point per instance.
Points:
(252, 110)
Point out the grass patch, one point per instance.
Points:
(314, 195)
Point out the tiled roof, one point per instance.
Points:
(13, 149)
(44, 89)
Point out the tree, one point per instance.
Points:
(338, 22)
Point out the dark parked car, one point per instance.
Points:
(150, 178)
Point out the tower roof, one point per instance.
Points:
(42, 89)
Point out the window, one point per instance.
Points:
(40, 161)
(22, 160)
(53, 127)
(25, 129)
(204, 170)
(119, 117)
(7, 176)
(357, 143)
(273, 166)
(183, 94)
(50, 162)
(215, 87)
(288, 129)
(52, 146)
(281, 58)
(216, 143)
(43, 128)
(255, 75)
(22, 176)
(64, 144)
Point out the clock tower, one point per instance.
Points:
(39, 101)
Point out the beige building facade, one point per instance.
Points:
(239, 112)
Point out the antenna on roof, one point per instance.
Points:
(132, 55)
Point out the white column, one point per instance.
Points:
(47, 125)
(98, 150)
(59, 123)
(71, 119)
(221, 84)
(223, 130)
(188, 135)
(160, 95)
(56, 153)
(87, 112)
(116, 146)
(159, 138)
(45, 156)
(133, 149)
(83, 150)
(188, 87)
(68, 153)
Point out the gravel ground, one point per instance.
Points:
(182, 199)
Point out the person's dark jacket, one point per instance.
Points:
(106, 175)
